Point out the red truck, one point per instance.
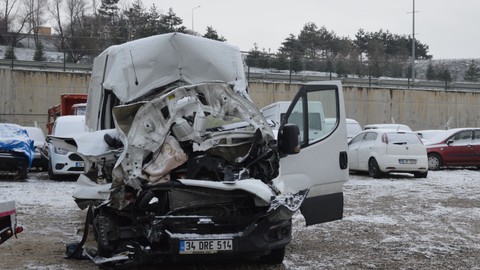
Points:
(70, 104)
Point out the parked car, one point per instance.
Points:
(36, 134)
(63, 162)
(388, 126)
(454, 147)
(353, 128)
(381, 151)
(427, 134)
(16, 151)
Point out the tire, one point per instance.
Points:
(275, 257)
(434, 162)
(23, 170)
(420, 174)
(373, 169)
(51, 175)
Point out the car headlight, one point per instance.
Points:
(60, 151)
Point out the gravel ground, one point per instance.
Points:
(393, 223)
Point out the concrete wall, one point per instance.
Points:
(25, 97)
(420, 109)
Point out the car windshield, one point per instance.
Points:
(35, 133)
(11, 131)
(403, 138)
(67, 128)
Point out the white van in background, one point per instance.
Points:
(353, 128)
(317, 122)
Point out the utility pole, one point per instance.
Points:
(413, 43)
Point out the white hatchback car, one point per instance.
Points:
(381, 151)
(61, 161)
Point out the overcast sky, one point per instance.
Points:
(451, 28)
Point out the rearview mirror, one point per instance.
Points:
(288, 139)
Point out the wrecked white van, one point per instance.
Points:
(180, 165)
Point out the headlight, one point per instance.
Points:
(60, 151)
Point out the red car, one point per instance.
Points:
(458, 147)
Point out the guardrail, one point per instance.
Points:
(271, 76)
(367, 81)
(63, 66)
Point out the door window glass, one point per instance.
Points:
(371, 136)
(476, 137)
(357, 139)
(462, 137)
(316, 113)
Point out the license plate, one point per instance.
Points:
(205, 246)
(79, 164)
(407, 161)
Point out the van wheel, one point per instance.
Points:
(275, 257)
(434, 162)
(373, 169)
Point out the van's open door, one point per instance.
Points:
(322, 165)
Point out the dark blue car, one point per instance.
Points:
(16, 151)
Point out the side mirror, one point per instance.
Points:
(449, 142)
(288, 140)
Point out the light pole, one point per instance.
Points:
(413, 43)
(193, 30)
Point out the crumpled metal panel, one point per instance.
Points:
(135, 68)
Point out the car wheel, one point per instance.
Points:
(275, 257)
(23, 170)
(434, 162)
(420, 174)
(373, 169)
(51, 174)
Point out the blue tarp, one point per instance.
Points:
(14, 138)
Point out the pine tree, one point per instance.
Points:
(212, 34)
(170, 22)
(108, 8)
(446, 75)
(39, 55)
(473, 73)
(431, 74)
(10, 53)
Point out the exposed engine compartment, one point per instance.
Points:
(201, 132)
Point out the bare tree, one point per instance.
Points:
(55, 10)
(10, 8)
(14, 22)
(36, 10)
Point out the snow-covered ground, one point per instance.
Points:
(398, 222)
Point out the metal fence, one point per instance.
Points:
(54, 66)
(267, 75)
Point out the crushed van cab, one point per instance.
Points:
(181, 165)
